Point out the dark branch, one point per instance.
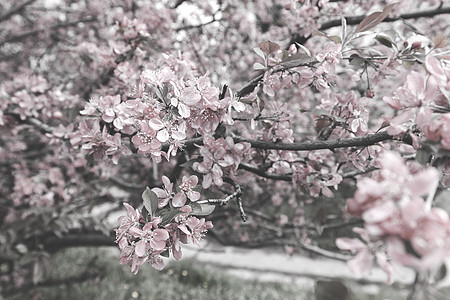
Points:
(259, 172)
(187, 27)
(15, 10)
(362, 141)
(94, 239)
(357, 19)
(178, 3)
(415, 15)
(44, 128)
(34, 32)
(250, 86)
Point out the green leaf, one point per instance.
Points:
(423, 156)
(165, 254)
(162, 91)
(385, 40)
(145, 213)
(169, 215)
(150, 201)
(298, 59)
(356, 60)
(201, 209)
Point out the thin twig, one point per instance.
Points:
(239, 194)
(415, 15)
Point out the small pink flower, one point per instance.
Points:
(157, 77)
(150, 238)
(186, 190)
(164, 195)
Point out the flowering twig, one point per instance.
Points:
(223, 201)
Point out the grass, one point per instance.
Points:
(186, 279)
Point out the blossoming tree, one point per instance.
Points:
(286, 122)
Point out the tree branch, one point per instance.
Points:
(250, 86)
(96, 239)
(34, 32)
(414, 15)
(357, 19)
(262, 173)
(362, 141)
(15, 10)
(44, 128)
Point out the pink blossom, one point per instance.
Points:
(164, 195)
(188, 97)
(149, 238)
(145, 138)
(331, 54)
(157, 77)
(186, 191)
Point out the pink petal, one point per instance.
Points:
(157, 245)
(380, 212)
(158, 263)
(353, 245)
(160, 234)
(423, 182)
(361, 262)
(179, 200)
(140, 248)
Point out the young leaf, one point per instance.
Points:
(165, 253)
(334, 38)
(145, 213)
(374, 19)
(306, 50)
(356, 60)
(169, 215)
(298, 59)
(161, 92)
(259, 52)
(201, 209)
(385, 40)
(258, 66)
(269, 47)
(317, 32)
(150, 201)
(423, 156)
(440, 41)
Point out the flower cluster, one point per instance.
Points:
(348, 107)
(221, 158)
(147, 239)
(186, 191)
(140, 241)
(396, 215)
(418, 99)
(178, 107)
